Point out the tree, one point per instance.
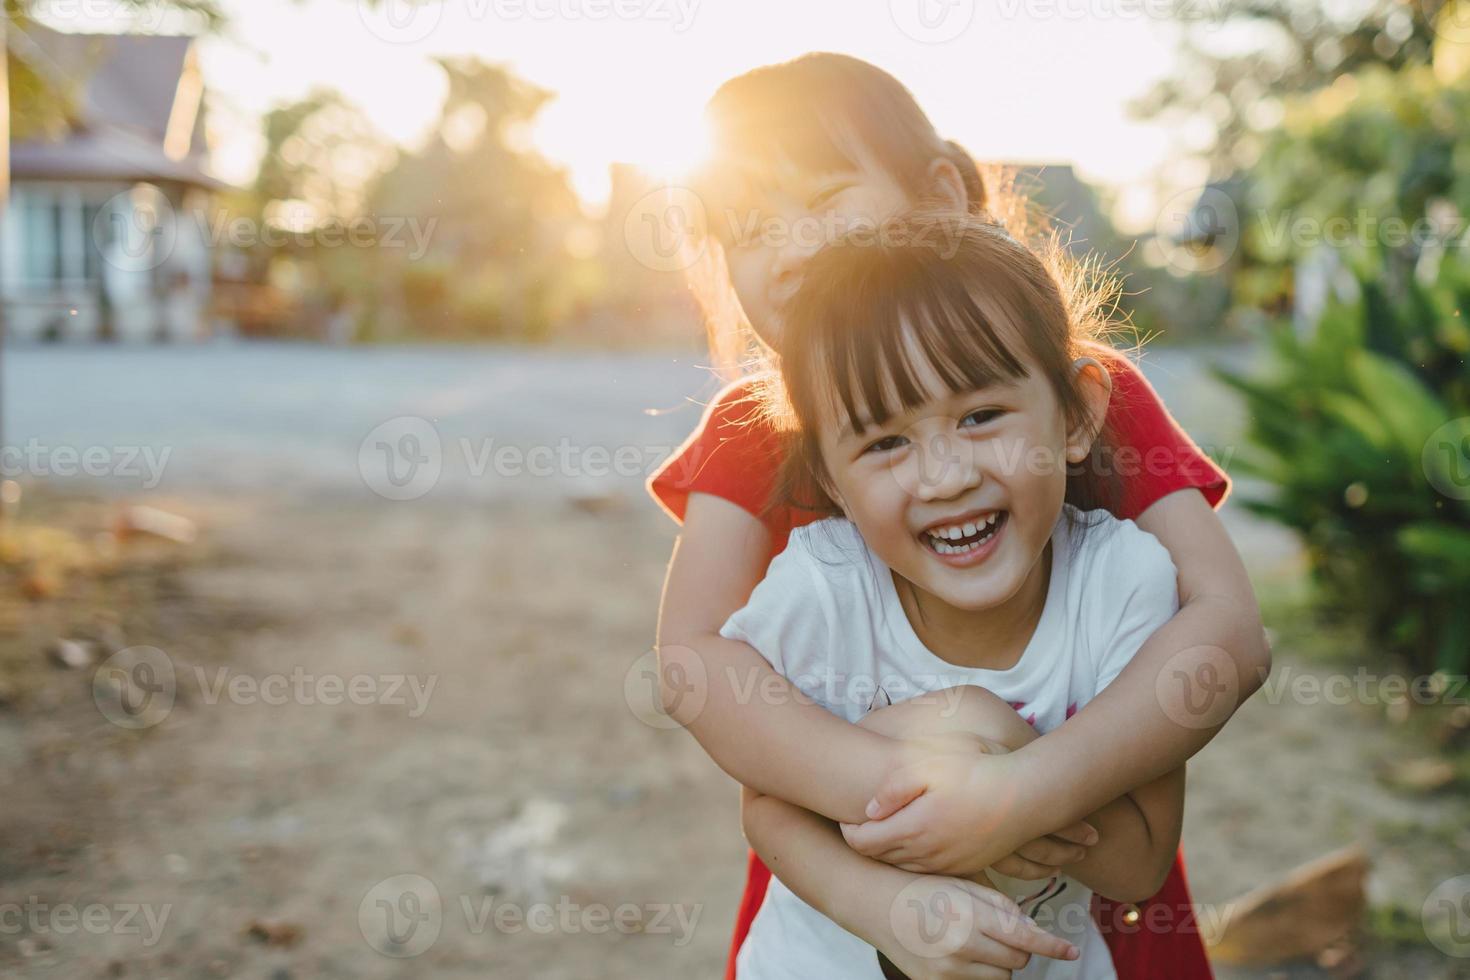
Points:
(1292, 47)
(501, 213)
(1380, 157)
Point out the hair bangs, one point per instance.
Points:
(905, 337)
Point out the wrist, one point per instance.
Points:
(1041, 784)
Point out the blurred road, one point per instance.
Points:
(244, 416)
(491, 423)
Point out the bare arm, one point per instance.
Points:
(754, 723)
(1138, 833)
(1181, 687)
(861, 895)
(1139, 836)
(1174, 696)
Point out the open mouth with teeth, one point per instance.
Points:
(966, 537)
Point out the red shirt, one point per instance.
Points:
(735, 454)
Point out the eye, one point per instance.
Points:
(981, 416)
(825, 195)
(885, 444)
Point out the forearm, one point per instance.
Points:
(755, 724)
(1138, 836)
(1179, 690)
(808, 854)
(1134, 731)
(758, 727)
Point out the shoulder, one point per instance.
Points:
(1111, 555)
(827, 558)
(739, 403)
(1123, 587)
(831, 548)
(806, 596)
(733, 453)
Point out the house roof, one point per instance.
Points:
(1070, 205)
(137, 112)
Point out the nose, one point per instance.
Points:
(947, 467)
(786, 271)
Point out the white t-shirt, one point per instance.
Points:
(828, 617)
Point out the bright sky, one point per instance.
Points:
(1016, 80)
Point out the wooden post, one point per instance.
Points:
(4, 202)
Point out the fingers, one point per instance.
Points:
(1002, 920)
(898, 790)
(877, 837)
(989, 954)
(1081, 832)
(1051, 852)
(1015, 866)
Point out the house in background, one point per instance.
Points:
(102, 237)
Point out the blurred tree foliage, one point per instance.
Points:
(1358, 165)
(1240, 58)
(1361, 431)
(465, 237)
(1337, 130)
(1351, 159)
(504, 220)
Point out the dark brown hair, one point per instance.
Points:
(958, 293)
(817, 113)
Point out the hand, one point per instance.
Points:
(953, 809)
(942, 928)
(1040, 859)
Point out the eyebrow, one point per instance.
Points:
(849, 429)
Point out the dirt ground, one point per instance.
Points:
(548, 830)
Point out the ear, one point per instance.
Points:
(1095, 386)
(946, 184)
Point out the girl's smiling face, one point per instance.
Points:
(960, 494)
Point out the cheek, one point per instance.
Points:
(877, 505)
(750, 276)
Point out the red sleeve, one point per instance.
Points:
(734, 454)
(1152, 456)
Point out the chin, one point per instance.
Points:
(973, 598)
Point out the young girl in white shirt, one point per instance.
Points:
(943, 407)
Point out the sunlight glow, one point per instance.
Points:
(632, 92)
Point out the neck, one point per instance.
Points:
(993, 638)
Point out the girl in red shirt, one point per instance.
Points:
(805, 151)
